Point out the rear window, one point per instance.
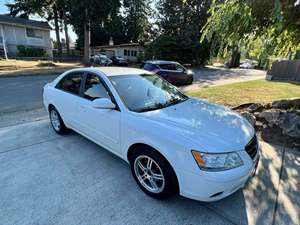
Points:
(176, 67)
(71, 83)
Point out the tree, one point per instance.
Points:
(179, 24)
(136, 20)
(48, 9)
(275, 24)
(85, 15)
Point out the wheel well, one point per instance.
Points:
(136, 146)
(50, 106)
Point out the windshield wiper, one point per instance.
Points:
(152, 107)
(174, 101)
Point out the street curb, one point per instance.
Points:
(28, 75)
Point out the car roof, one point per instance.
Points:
(161, 62)
(114, 71)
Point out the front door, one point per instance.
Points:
(102, 125)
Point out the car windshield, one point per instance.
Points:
(172, 66)
(146, 92)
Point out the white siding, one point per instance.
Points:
(16, 35)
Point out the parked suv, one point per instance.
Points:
(171, 71)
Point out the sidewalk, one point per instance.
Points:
(52, 179)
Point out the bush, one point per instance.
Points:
(24, 51)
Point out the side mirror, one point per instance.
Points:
(103, 103)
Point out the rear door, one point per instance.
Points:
(67, 94)
(102, 125)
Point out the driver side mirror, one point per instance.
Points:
(103, 103)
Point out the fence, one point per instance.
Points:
(285, 70)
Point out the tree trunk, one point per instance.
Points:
(66, 35)
(67, 38)
(235, 57)
(86, 55)
(59, 48)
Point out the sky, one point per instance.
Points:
(3, 10)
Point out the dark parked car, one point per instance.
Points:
(119, 61)
(171, 71)
(101, 60)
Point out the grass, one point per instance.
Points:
(31, 67)
(259, 91)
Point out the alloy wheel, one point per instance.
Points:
(149, 174)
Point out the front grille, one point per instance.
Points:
(251, 147)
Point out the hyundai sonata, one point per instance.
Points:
(173, 143)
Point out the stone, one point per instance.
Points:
(255, 107)
(281, 125)
(271, 116)
(286, 103)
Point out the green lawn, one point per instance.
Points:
(260, 91)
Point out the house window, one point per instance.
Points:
(33, 33)
(125, 52)
(133, 53)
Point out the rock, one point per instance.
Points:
(248, 116)
(281, 125)
(286, 103)
(255, 107)
(271, 116)
(290, 125)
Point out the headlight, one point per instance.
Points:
(217, 161)
(190, 72)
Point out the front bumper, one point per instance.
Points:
(213, 186)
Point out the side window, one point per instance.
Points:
(94, 88)
(71, 83)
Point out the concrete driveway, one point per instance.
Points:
(51, 179)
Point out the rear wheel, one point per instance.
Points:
(153, 173)
(57, 122)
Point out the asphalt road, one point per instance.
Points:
(22, 93)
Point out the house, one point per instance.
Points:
(129, 51)
(15, 31)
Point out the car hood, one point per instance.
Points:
(211, 127)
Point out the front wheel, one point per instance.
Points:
(153, 173)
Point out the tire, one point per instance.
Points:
(56, 121)
(160, 172)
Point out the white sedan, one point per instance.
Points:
(173, 143)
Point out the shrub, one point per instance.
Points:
(24, 51)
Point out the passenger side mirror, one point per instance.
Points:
(103, 103)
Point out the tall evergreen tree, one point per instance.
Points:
(180, 23)
(136, 20)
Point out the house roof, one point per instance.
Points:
(120, 45)
(5, 19)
